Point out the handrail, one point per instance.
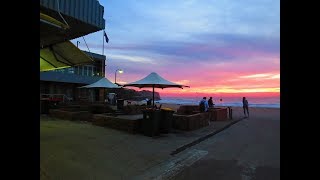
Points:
(52, 96)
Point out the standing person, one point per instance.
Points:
(210, 102)
(245, 106)
(203, 105)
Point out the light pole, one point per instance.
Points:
(115, 75)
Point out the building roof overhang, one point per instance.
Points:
(81, 18)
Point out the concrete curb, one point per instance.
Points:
(182, 148)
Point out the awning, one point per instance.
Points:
(62, 55)
(52, 21)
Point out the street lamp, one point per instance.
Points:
(115, 74)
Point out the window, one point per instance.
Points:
(93, 71)
(80, 70)
(76, 70)
(85, 70)
(71, 70)
(89, 71)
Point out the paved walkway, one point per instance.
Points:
(80, 150)
(249, 150)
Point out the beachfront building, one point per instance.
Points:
(64, 67)
(63, 83)
(62, 21)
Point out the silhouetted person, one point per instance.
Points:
(203, 105)
(245, 106)
(210, 102)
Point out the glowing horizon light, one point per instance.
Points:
(277, 76)
(140, 59)
(268, 76)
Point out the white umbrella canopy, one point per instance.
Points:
(155, 81)
(102, 83)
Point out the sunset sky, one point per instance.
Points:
(214, 46)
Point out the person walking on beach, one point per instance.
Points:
(245, 106)
(210, 102)
(203, 105)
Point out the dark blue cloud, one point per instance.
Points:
(210, 47)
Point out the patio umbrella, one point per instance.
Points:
(102, 83)
(155, 81)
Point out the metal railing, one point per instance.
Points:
(55, 97)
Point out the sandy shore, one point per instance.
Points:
(255, 112)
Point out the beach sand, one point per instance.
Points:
(255, 112)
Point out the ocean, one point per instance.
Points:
(268, 102)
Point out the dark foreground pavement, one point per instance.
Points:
(248, 150)
(80, 150)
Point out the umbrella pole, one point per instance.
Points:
(153, 96)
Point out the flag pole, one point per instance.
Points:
(103, 42)
(103, 50)
(103, 66)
